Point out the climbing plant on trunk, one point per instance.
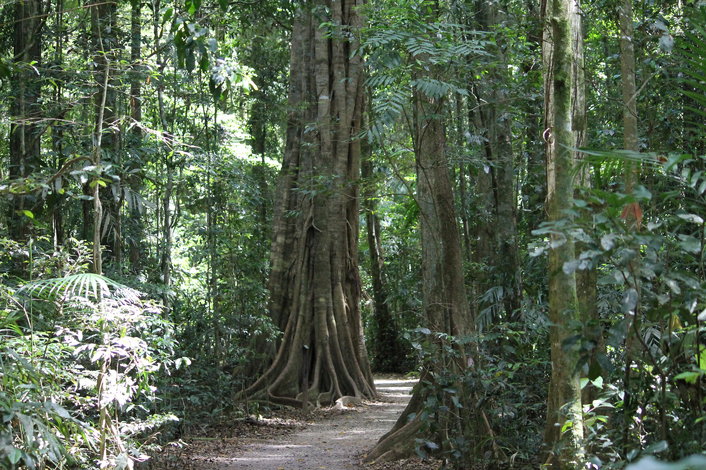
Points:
(314, 282)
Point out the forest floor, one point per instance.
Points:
(326, 439)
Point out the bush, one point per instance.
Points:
(79, 392)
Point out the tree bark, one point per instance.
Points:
(314, 282)
(586, 279)
(25, 109)
(56, 200)
(163, 203)
(534, 187)
(627, 78)
(561, 53)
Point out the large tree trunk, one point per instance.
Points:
(25, 109)
(314, 282)
(562, 53)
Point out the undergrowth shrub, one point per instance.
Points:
(644, 366)
(80, 362)
(508, 383)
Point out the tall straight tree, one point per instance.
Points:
(492, 116)
(314, 282)
(25, 109)
(445, 303)
(632, 213)
(562, 50)
(103, 19)
(135, 226)
(446, 307)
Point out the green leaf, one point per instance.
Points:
(5, 70)
(89, 286)
(182, 362)
(192, 6)
(190, 59)
(695, 462)
(28, 214)
(608, 241)
(688, 377)
(570, 266)
(701, 357)
(632, 455)
(690, 244)
(14, 455)
(431, 445)
(657, 447)
(598, 382)
(630, 299)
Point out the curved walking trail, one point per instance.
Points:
(336, 442)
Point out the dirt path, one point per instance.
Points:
(333, 443)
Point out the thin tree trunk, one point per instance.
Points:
(388, 355)
(136, 235)
(534, 188)
(57, 199)
(445, 303)
(627, 77)
(502, 157)
(103, 37)
(632, 213)
(166, 261)
(586, 279)
(463, 180)
(97, 150)
(168, 163)
(135, 64)
(562, 52)
(25, 109)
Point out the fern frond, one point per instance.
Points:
(93, 287)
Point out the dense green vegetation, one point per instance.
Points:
(205, 205)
